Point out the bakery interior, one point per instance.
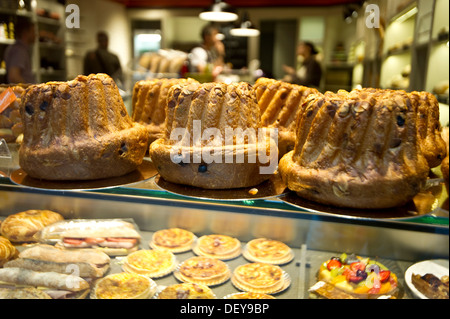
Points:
(394, 46)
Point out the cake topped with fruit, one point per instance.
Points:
(355, 276)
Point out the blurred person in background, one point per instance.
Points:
(101, 60)
(18, 56)
(310, 72)
(209, 54)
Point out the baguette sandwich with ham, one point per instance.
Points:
(86, 263)
(113, 237)
(53, 284)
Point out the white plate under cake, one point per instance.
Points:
(218, 246)
(203, 270)
(268, 251)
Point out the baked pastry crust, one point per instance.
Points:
(21, 227)
(7, 251)
(218, 246)
(259, 278)
(227, 158)
(203, 270)
(280, 103)
(187, 291)
(149, 101)
(23, 293)
(249, 295)
(151, 263)
(357, 149)
(79, 130)
(175, 239)
(124, 286)
(268, 251)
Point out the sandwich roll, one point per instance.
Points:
(56, 285)
(86, 263)
(23, 293)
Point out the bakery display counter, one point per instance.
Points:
(397, 241)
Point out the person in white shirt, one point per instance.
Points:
(210, 53)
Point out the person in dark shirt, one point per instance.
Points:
(310, 72)
(101, 60)
(18, 56)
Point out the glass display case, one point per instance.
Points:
(398, 238)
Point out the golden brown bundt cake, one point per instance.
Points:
(356, 149)
(79, 130)
(279, 103)
(429, 127)
(149, 102)
(208, 139)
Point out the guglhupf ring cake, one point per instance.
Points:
(214, 138)
(79, 130)
(358, 149)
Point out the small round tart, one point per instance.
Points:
(361, 277)
(124, 286)
(249, 295)
(203, 270)
(152, 263)
(187, 291)
(176, 240)
(260, 278)
(268, 251)
(218, 246)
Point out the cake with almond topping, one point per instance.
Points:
(360, 149)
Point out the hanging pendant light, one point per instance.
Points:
(219, 11)
(246, 28)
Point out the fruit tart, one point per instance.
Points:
(351, 276)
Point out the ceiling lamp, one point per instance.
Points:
(246, 28)
(219, 11)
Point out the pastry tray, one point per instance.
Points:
(271, 188)
(143, 172)
(429, 201)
